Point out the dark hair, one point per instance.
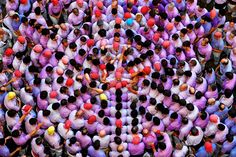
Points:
(106, 121)
(33, 121)
(142, 110)
(55, 106)
(101, 113)
(190, 106)
(156, 121)
(117, 140)
(96, 144)
(43, 94)
(174, 115)
(15, 133)
(11, 113)
(221, 127)
(162, 146)
(46, 113)
(2, 141)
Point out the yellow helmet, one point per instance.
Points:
(103, 96)
(11, 95)
(51, 130)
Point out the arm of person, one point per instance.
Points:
(97, 90)
(217, 50)
(132, 90)
(15, 151)
(87, 77)
(9, 82)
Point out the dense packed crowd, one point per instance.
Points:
(118, 78)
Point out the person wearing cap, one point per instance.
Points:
(136, 146)
(217, 44)
(55, 11)
(24, 7)
(54, 140)
(5, 39)
(7, 58)
(208, 149)
(79, 4)
(91, 124)
(11, 102)
(35, 53)
(98, 16)
(64, 130)
(131, 24)
(20, 45)
(211, 127)
(100, 6)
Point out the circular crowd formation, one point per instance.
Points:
(118, 78)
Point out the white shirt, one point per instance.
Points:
(64, 132)
(38, 149)
(193, 114)
(180, 153)
(195, 140)
(77, 123)
(211, 129)
(104, 141)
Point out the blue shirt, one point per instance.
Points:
(2, 96)
(96, 153)
(4, 151)
(180, 6)
(233, 152)
(207, 27)
(228, 146)
(222, 114)
(217, 44)
(16, 25)
(212, 108)
(202, 151)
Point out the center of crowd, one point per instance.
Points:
(117, 78)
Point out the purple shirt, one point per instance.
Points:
(136, 149)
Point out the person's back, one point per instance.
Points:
(95, 151)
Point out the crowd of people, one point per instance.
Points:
(118, 78)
